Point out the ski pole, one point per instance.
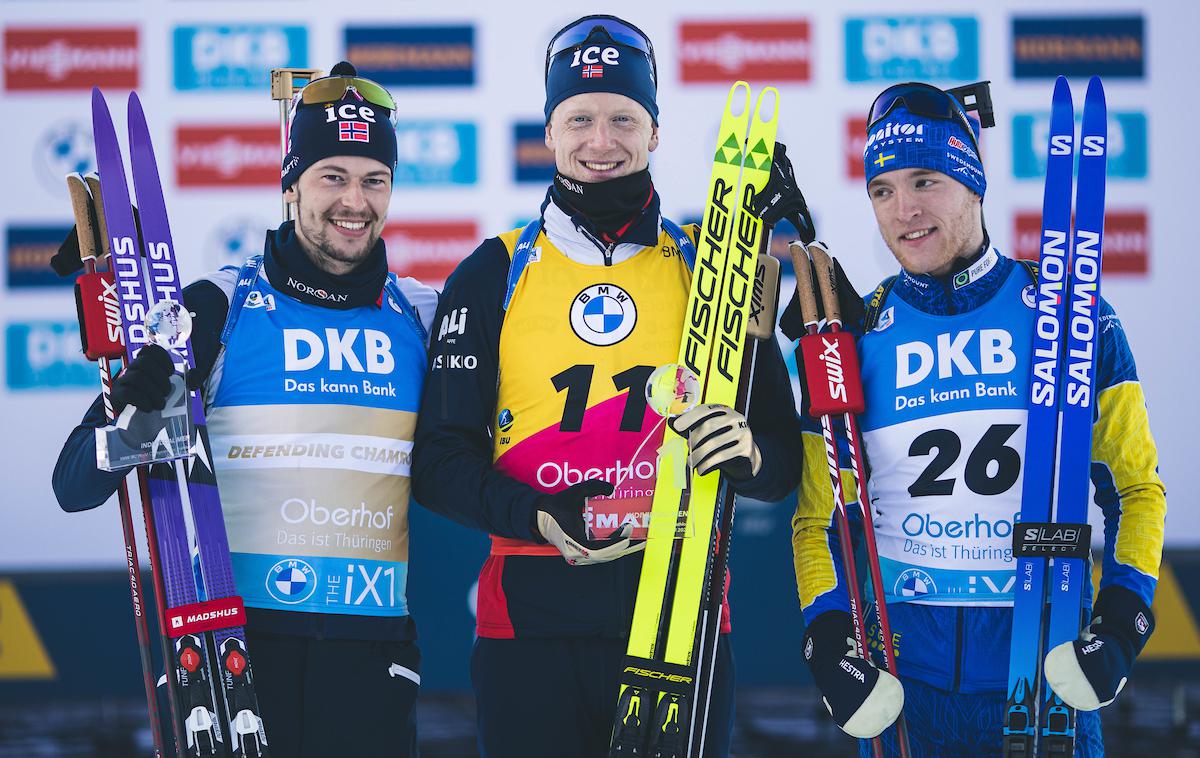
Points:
(759, 327)
(283, 89)
(827, 284)
(808, 311)
(82, 205)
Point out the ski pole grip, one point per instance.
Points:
(85, 229)
(804, 285)
(826, 281)
(92, 179)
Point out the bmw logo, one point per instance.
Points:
(603, 314)
(1029, 296)
(913, 582)
(291, 581)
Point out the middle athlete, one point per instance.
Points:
(538, 373)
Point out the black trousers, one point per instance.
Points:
(550, 698)
(339, 698)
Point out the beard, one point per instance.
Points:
(317, 229)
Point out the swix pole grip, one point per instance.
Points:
(831, 372)
(99, 318)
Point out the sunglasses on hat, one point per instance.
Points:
(929, 101)
(333, 89)
(619, 32)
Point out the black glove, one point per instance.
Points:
(862, 699)
(68, 259)
(146, 382)
(559, 521)
(791, 323)
(781, 198)
(1089, 672)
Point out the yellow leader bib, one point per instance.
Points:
(578, 343)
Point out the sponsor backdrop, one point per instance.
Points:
(472, 163)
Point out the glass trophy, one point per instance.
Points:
(137, 437)
(671, 390)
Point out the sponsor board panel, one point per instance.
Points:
(27, 251)
(912, 47)
(435, 152)
(1108, 46)
(38, 59)
(238, 56)
(1128, 149)
(46, 355)
(429, 250)
(413, 56)
(212, 155)
(533, 162)
(1126, 240)
(718, 52)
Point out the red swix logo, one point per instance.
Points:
(40, 59)
(220, 156)
(831, 368)
(718, 51)
(221, 613)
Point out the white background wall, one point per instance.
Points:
(1158, 308)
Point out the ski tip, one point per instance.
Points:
(773, 113)
(135, 107)
(733, 99)
(1095, 91)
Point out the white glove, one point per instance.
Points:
(718, 437)
(560, 522)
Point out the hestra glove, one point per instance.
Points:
(862, 699)
(1090, 671)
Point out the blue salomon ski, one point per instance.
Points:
(1059, 428)
(1021, 716)
(1077, 401)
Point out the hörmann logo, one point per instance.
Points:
(707, 278)
(220, 156)
(741, 278)
(719, 51)
(56, 58)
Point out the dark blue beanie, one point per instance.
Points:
(351, 126)
(906, 140)
(602, 67)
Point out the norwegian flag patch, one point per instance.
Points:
(353, 131)
(593, 72)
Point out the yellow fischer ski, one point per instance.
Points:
(658, 692)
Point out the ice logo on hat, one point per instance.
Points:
(591, 59)
(291, 581)
(603, 314)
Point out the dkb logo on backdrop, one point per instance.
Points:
(912, 47)
(236, 57)
(1127, 146)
